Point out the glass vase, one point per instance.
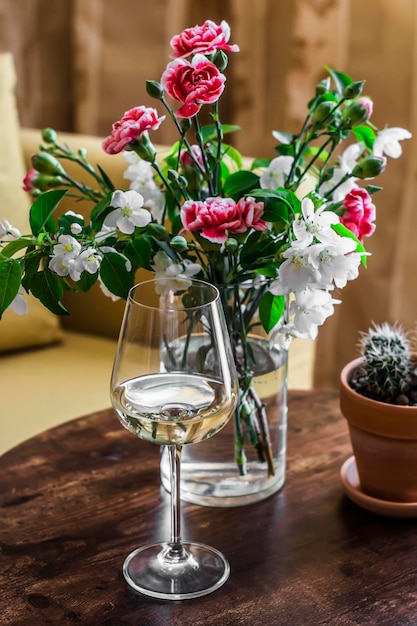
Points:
(246, 461)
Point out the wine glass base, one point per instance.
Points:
(200, 570)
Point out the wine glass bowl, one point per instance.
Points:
(173, 384)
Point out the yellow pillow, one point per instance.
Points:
(39, 326)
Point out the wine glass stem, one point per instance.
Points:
(176, 549)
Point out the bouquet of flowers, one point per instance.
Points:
(289, 226)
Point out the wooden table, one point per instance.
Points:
(77, 499)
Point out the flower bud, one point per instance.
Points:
(43, 182)
(47, 164)
(173, 176)
(231, 245)
(323, 87)
(185, 124)
(49, 135)
(179, 243)
(353, 90)
(369, 167)
(158, 231)
(144, 148)
(327, 175)
(323, 113)
(154, 89)
(220, 60)
(357, 112)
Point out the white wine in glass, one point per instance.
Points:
(174, 383)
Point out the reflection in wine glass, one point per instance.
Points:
(174, 383)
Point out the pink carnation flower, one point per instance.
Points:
(132, 126)
(215, 216)
(203, 39)
(187, 161)
(193, 84)
(359, 213)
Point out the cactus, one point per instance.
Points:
(387, 364)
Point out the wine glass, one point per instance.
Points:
(174, 383)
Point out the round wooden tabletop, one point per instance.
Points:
(77, 499)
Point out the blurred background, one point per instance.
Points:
(80, 64)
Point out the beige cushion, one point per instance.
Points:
(61, 382)
(39, 326)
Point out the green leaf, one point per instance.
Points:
(31, 265)
(41, 210)
(365, 134)
(209, 132)
(280, 203)
(256, 248)
(260, 163)
(14, 246)
(10, 277)
(108, 182)
(342, 230)
(99, 213)
(47, 287)
(139, 251)
(285, 138)
(233, 154)
(86, 281)
(340, 80)
(240, 183)
(65, 222)
(271, 309)
(371, 189)
(115, 275)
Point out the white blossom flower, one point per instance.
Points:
(310, 308)
(76, 228)
(7, 231)
(104, 233)
(61, 264)
(89, 260)
(335, 264)
(283, 335)
(314, 225)
(128, 212)
(172, 276)
(275, 174)
(141, 175)
(19, 304)
(62, 261)
(350, 156)
(294, 274)
(339, 194)
(347, 161)
(387, 142)
(68, 246)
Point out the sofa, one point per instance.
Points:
(56, 369)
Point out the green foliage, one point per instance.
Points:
(117, 274)
(10, 277)
(240, 183)
(41, 211)
(271, 310)
(48, 288)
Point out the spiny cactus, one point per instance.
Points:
(387, 364)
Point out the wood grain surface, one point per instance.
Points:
(77, 499)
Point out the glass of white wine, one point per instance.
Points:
(174, 383)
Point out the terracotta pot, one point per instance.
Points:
(384, 442)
